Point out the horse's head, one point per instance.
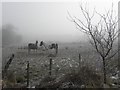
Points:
(36, 42)
(41, 43)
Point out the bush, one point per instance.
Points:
(85, 78)
(12, 80)
(9, 79)
(20, 79)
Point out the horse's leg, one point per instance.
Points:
(28, 50)
(56, 50)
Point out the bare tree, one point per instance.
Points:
(102, 33)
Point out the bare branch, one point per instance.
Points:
(103, 34)
(111, 56)
(71, 18)
(81, 23)
(81, 28)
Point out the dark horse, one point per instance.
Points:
(52, 46)
(32, 46)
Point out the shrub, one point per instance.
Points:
(85, 77)
(20, 79)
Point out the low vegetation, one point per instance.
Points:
(66, 70)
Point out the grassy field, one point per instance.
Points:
(67, 60)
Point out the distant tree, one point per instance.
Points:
(9, 36)
(103, 33)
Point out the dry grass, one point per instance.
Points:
(65, 67)
(86, 77)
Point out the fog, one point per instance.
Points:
(47, 20)
(10, 36)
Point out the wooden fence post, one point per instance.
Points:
(7, 65)
(27, 73)
(56, 49)
(79, 60)
(50, 69)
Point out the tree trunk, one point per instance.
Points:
(104, 70)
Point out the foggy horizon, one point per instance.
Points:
(47, 21)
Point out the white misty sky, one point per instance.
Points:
(48, 20)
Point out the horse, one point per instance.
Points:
(52, 46)
(32, 46)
